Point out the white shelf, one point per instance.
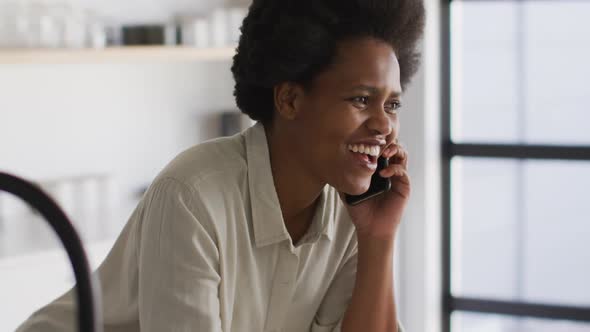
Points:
(128, 54)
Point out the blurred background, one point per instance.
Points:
(96, 97)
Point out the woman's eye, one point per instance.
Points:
(393, 107)
(361, 100)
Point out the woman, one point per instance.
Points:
(250, 233)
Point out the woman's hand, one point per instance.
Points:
(380, 216)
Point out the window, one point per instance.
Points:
(516, 172)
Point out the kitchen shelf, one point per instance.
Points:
(127, 54)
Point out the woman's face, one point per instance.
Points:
(353, 102)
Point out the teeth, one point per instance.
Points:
(372, 150)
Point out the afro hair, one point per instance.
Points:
(295, 40)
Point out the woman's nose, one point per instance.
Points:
(379, 122)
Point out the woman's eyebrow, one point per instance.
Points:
(374, 90)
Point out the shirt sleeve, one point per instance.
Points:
(331, 312)
(178, 264)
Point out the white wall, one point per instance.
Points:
(418, 266)
(127, 120)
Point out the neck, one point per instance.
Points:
(297, 190)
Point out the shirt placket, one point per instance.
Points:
(283, 287)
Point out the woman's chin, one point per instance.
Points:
(356, 187)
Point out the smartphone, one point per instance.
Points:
(378, 185)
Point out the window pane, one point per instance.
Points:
(520, 230)
(472, 322)
(519, 71)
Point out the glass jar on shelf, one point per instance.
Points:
(7, 24)
(49, 24)
(96, 35)
(15, 24)
(44, 29)
(73, 25)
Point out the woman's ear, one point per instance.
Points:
(287, 97)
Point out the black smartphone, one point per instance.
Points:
(378, 185)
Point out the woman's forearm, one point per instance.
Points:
(372, 307)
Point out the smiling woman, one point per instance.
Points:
(249, 232)
(348, 103)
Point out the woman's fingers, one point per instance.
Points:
(396, 170)
(401, 156)
(397, 154)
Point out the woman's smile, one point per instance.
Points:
(364, 156)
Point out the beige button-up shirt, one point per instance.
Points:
(207, 250)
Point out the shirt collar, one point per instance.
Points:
(267, 217)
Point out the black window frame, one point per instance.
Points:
(450, 149)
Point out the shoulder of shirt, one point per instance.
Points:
(219, 160)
